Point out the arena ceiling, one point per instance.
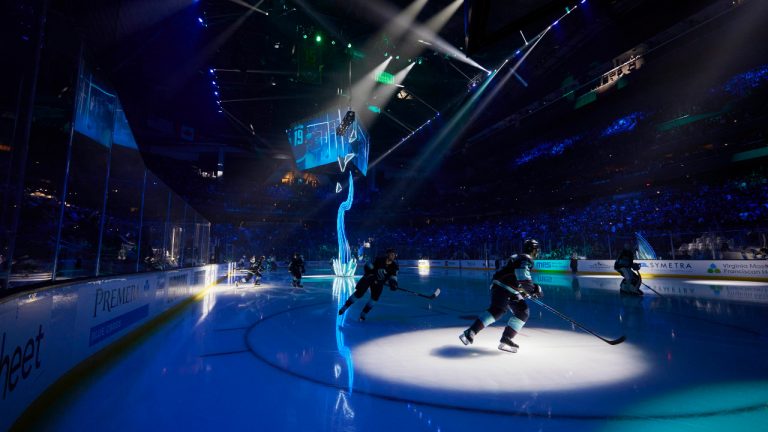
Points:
(160, 56)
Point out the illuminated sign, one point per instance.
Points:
(385, 78)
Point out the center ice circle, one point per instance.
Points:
(548, 360)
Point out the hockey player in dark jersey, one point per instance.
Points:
(255, 271)
(511, 284)
(250, 272)
(296, 267)
(382, 271)
(627, 267)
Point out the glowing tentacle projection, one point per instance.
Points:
(345, 265)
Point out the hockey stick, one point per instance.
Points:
(565, 317)
(430, 296)
(656, 292)
(647, 286)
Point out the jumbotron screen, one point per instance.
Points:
(314, 142)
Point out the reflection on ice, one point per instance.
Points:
(342, 289)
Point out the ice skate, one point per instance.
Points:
(506, 344)
(467, 337)
(630, 290)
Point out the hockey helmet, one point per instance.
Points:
(530, 245)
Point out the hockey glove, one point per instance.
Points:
(636, 266)
(382, 274)
(393, 285)
(537, 292)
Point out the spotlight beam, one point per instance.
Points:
(362, 90)
(512, 72)
(441, 144)
(254, 8)
(385, 14)
(382, 95)
(436, 43)
(507, 120)
(437, 22)
(324, 23)
(400, 24)
(385, 92)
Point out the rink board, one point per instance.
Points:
(725, 269)
(47, 332)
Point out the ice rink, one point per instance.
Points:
(276, 358)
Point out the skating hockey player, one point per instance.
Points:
(255, 271)
(629, 269)
(382, 271)
(510, 286)
(296, 267)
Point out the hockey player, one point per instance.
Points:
(296, 267)
(510, 286)
(250, 272)
(629, 269)
(382, 271)
(255, 271)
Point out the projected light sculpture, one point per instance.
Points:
(644, 249)
(345, 265)
(315, 143)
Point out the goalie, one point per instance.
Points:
(627, 267)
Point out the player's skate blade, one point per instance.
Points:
(467, 337)
(508, 346)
